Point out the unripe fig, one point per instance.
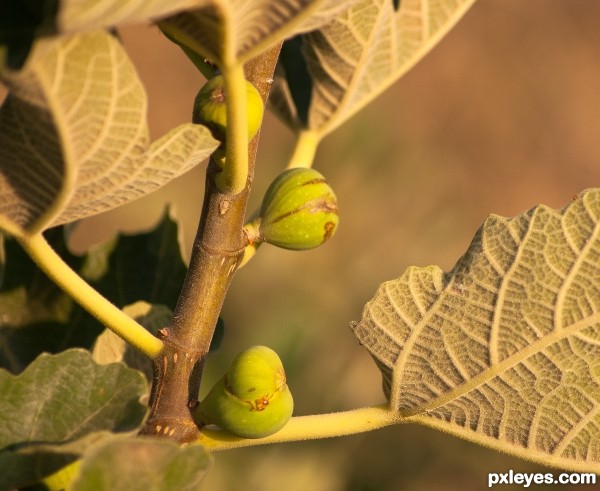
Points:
(299, 210)
(252, 399)
(210, 108)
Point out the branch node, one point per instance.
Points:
(224, 206)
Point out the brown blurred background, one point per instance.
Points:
(502, 115)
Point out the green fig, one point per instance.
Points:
(252, 399)
(299, 210)
(210, 108)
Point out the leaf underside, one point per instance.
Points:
(360, 53)
(503, 350)
(74, 138)
(228, 30)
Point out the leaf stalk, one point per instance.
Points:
(216, 254)
(313, 427)
(305, 149)
(234, 175)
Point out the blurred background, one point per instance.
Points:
(502, 115)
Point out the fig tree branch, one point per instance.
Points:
(217, 252)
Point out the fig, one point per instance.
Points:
(210, 108)
(299, 210)
(252, 399)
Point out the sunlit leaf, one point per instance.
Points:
(503, 350)
(85, 15)
(25, 20)
(110, 348)
(228, 30)
(359, 54)
(74, 138)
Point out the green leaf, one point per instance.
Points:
(135, 463)
(35, 315)
(28, 464)
(26, 294)
(62, 398)
(359, 54)
(228, 30)
(65, 396)
(146, 266)
(504, 350)
(74, 138)
(20, 346)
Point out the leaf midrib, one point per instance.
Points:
(503, 366)
(430, 41)
(536, 347)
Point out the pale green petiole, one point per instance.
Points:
(232, 179)
(77, 288)
(305, 149)
(313, 427)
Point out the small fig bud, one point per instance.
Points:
(299, 210)
(210, 108)
(219, 157)
(62, 478)
(252, 399)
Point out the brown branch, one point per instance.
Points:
(217, 251)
